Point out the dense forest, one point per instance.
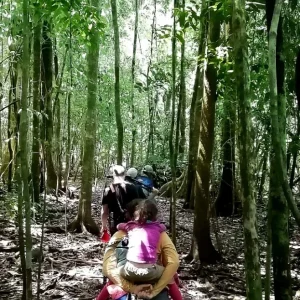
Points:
(206, 92)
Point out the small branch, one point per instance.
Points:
(9, 105)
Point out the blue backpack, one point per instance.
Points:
(148, 182)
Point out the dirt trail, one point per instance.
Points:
(72, 262)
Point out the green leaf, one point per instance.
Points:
(180, 37)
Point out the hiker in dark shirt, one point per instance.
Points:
(115, 200)
(147, 173)
(130, 177)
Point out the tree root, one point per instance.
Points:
(181, 182)
(84, 226)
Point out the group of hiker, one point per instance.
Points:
(140, 258)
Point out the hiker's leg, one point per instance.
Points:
(174, 291)
(163, 295)
(139, 274)
(104, 295)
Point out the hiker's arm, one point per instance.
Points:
(122, 226)
(162, 227)
(170, 261)
(110, 269)
(104, 217)
(153, 194)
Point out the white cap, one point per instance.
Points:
(118, 173)
(148, 169)
(132, 172)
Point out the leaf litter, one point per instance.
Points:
(72, 263)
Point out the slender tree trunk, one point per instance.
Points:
(295, 141)
(21, 226)
(150, 145)
(226, 197)
(24, 146)
(195, 112)
(117, 81)
(241, 72)
(56, 111)
(276, 136)
(9, 144)
(207, 252)
(268, 252)
(280, 212)
(173, 150)
(47, 68)
(16, 107)
(68, 150)
(1, 93)
(263, 176)
(35, 156)
(133, 142)
(84, 219)
(182, 95)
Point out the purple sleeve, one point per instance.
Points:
(122, 226)
(162, 227)
(131, 225)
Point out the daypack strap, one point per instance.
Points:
(118, 195)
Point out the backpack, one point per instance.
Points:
(121, 251)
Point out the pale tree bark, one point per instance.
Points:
(279, 212)
(206, 250)
(133, 142)
(117, 82)
(23, 147)
(84, 220)
(35, 156)
(245, 147)
(47, 71)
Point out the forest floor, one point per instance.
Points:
(72, 263)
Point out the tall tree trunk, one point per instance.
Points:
(195, 112)
(9, 144)
(1, 93)
(279, 213)
(133, 142)
(206, 250)
(35, 156)
(150, 145)
(21, 226)
(295, 140)
(47, 68)
(68, 149)
(57, 112)
(262, 179)
(276, 136)
(16, 108)
(117, 81)
(245, 144)
(225, 202)
(173, 150)
(226, 196)
(24, 146)
(84, 220)
(182, 94)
